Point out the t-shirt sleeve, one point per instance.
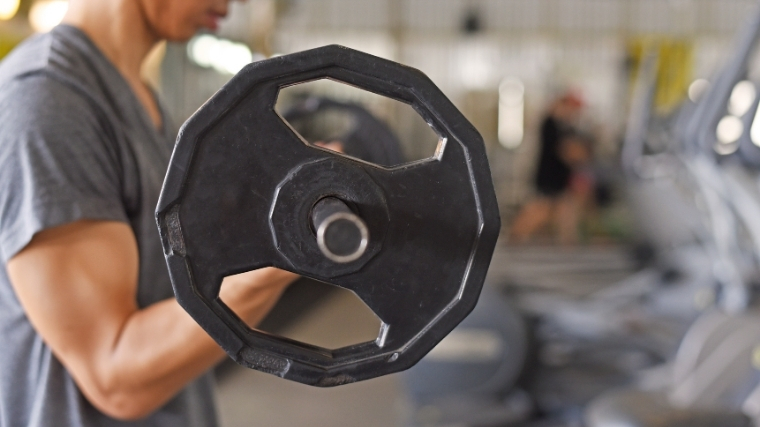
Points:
(58, 163)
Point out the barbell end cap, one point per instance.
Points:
(342, 237)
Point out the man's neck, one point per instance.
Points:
(119, 30)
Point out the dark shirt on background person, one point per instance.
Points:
(553, 174)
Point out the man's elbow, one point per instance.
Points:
(123, 405)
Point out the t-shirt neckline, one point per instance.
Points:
(125, 87)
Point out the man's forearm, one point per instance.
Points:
(160, 348)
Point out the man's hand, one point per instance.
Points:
(336, 146)
(251, 295)
(78, 283)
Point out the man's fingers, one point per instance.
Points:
(336, 146)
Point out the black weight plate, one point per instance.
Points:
(289, 218)
(234, 200)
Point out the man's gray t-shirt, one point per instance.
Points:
(75, 143)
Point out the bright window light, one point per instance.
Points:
(726, 149)
(222, 55)
(477, 61)
(754, 131)
(742, 97)
(697, 88)
(232, 57)
(729, 130)
(511, 113)
(200, 50)
(8, 9)
(46, 14)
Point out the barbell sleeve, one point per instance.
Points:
(342, 236)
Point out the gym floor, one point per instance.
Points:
(249, 398)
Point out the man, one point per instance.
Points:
(552, 175)
(90, 334)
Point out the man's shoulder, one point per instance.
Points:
(29, 57)
(64, 54)
(36, 96)
(39, 110)
(48, 76)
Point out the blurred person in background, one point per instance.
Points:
(554, 200)
(91, 333)
(576, 151)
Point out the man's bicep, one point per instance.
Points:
(77, 285)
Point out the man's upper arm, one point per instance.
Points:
(64, 238)
(76, 283)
